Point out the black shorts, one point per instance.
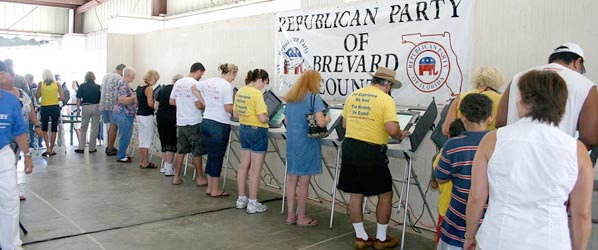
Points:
(50, 113)
(167, 132)
(364, 168)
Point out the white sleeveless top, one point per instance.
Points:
(530, 175)
(578, 87)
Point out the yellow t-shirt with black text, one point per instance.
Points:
(366, 111)
(249, 103)
(444, 200)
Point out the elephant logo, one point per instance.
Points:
(293, 60)
(432, 63)
(427, 64)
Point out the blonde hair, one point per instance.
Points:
(47, 75)
(228, 67)
(309, 81)
(488, 76)
(151, 75)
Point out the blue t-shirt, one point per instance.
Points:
(11, 118)
(455, 164)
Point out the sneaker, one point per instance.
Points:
(363, 244)
(242, 203)
(163, 168)
(257, 207)
(390, 242)
(169, 171)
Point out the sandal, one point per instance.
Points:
(290, 222)
(222, 194)
(179, 182)
(149, 165)
(311, 223)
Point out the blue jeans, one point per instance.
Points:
(32, 137)
(216, 137)
(125, 130)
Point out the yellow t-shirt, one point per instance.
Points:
(49, 94)
(495, 97)
(249, 103)
(445, 189)
(366, 112)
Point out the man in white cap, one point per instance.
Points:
(581, 112)
(370, 116)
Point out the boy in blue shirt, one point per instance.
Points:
(455, 165)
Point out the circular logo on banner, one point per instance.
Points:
(428, 66)
(291, 62)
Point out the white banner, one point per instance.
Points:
(428, 43)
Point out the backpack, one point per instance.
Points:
(67, 94)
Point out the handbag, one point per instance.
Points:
(313, 130)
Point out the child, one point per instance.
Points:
(456, 128)
(455, 165)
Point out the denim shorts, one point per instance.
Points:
(107, 117)
(254, 138)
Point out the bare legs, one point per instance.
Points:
(299, 186)
(253, 162)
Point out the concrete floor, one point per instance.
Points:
(82, 201)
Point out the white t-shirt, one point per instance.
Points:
(186, 111)
(578, 87)
(216, 92)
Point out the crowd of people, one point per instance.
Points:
(511, 160)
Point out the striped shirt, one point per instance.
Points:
(455, 165)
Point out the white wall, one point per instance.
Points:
(97, 18)
(510, 34)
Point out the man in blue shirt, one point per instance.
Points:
(455, 165)
(12, 125)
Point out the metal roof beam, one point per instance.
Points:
(70, 4)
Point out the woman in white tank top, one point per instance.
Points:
(527, 171)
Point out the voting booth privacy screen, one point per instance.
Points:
(428, 44)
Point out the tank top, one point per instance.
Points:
(142, 108)
(49, 93)
(530, 174)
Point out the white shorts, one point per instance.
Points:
(145, 128)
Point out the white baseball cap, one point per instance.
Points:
(571, 48)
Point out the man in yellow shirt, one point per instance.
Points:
(370, 117)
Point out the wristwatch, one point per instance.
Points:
(27, 154)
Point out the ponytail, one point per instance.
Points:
(254, 75)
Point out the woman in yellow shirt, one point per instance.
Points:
(486, 81)
(51, 94)
(250, 108)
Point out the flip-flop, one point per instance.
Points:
(177, 183)
(201, 185)
(151, 165)
(311, 223)
(290, 222)
(223, 194)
